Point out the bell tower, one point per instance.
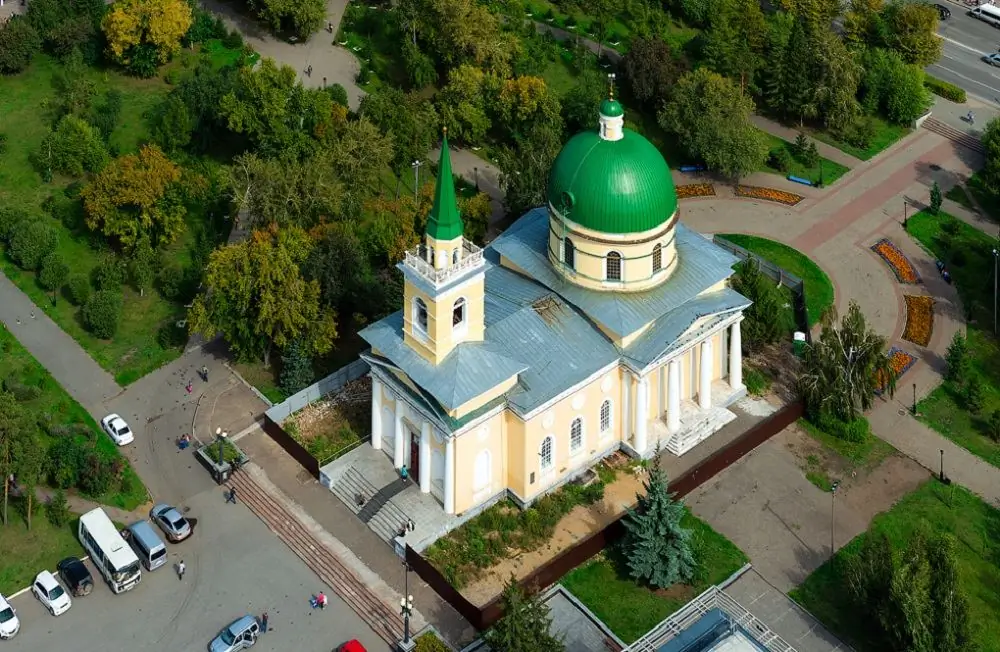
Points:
(444, 278)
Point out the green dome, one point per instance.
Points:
(612, 109)
(612, 186)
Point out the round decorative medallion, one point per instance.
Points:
(547, 420)
(483, 433)
(606, 384)
(578, 401)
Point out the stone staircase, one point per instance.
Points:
(696, 426)
(955, 135)
(373, 506)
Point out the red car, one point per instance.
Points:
(352, 646)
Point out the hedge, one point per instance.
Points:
(944, 89)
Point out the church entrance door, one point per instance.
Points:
(414, 456)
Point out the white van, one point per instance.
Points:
(987, 14)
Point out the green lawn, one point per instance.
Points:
(827, 169)
(631, 610)
(819, 289)
(28, 552)
(886, 134)
(952, 510)
(960, 195)
(967, 252)
(135, 350)
(17, 363)
(986, 199)
(867, 454)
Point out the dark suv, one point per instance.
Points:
(944, 13)
(75, 576)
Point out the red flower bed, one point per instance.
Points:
(690, 190)
(919, 319)
(769, 194)
(905, 272)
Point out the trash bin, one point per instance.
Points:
(799, 343)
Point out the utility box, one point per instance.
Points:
(799, 343)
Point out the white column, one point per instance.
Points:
(397, 448)
(674, 396)
(425, 457)
(641, 416)
(705, 376)
(449, 476)
(735, 356)
(376, 413)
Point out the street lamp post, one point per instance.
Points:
(995, 254)
(833, 500)
(941, 475)
(475, 170)
(222, 446)
(416, 178)
(914, 399)
(905, 218)
(406, 609)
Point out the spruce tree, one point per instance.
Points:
(656, 547)
(957, 359)
(936, 198)
(296, 368)
(524, 626)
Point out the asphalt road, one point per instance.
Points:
(966, 40)
(234, 566)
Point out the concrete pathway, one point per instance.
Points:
(66, 360)
(788, 134)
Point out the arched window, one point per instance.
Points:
(420, 314)
(458, 313)
(482, 471)
(576, 435)
(606, 416)
(569, 253)
(454, 257)
(657, 258)
(545, 453)
(613, 266)
(430, 254)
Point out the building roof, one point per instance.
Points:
(612, 186)
(700, 265)
(612, 108)
(444, 221)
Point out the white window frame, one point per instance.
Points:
(621, 267)
(544, 468)
(606, 425)
(415, 318)
(462, 326)
(576, 450)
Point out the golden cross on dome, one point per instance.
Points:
(611, 85)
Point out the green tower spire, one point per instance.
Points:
(444, 222)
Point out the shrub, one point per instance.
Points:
(100, 473)
(54, 272)
(65, 461)
(856, 430)
(10, 216)
(995, 426)
(944, 89)
(780, 159)
(78, 289)
(21, 391)
(172, 77)
(109, 274)
(338, 94)
(757, 383)
(19, 43)
(957, 359)
(233, 40)
(30, 242)
(143, 60)
(57, 509)
(3, 143)
(170, 281)
(68, 210)
(102, 313)
(72, 148)
(975, 394)
(364, 74)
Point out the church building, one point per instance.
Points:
(595, 323)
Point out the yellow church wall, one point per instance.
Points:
(485, 439)
(441, 336)
(515, 453)
(444, 250)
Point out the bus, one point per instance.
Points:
(987, 13)
(109, 552)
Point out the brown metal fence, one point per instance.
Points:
(292, 447)
(482, 617)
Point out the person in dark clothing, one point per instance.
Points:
(231, 498)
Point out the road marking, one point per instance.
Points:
(962, 45)
(970, 79)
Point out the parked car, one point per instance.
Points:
(119, 431)
(240, 634)
(352, 646)
(992, 59)
(9, 624)
(75, 576)
(944, 13)
(51, 594)
(174, 525)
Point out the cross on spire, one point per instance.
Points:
(611, 85)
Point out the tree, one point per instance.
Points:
(337, 262)
(359, 157)
(157, 24)
(19, 43)
(893, 87)
(735, 40)
(296, 368)
(462, 105)
(476, 213)
(652, 70)
(57, 509)
(298, 17)
(525, 624)
(991, 143)
(53, 273)
(525, 104)
(102, 313)
(844, 367)
(69, 25)
(14, 426)
(656, 547)
(524, 170)
(29, 465)
(863, 23)
(766, 318)
(911, 30)
(269, 191)
(31, 242)
(72, 148)
(711, 118)
(995, 426)
(836, 76)
(201, 94)
(173, 125)
(419, 67)
(410, 120)
(257, 298)
(139, 268)
(136, 197)
(818, 14)
(957, 359)
(788, 84)
(579, 105)
(78, 289)
(74, 88)
(975, 394)
(936, 198)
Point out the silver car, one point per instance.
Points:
(240, 634)
(172, 522)
(992, 59)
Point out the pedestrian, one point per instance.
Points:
(231, 498)
(309, 70)
(204, 373)
(324, 82)
(263, 623)
(32, 314)
(190, 387)
(180, 570)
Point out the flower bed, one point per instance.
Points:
(905, 272)
(769, 194)
(690, 190)
(919, 319)
(900, 361)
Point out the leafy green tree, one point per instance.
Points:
(257, 298)
(72, 148)
(173, 125)
(975, 393)
(53, 273)
(766, 320)
(524, 170)
(525, 625)
(69, 25)
(844, 367)
(419, 67)
(936, 198)
(19, 43)
(296, 368)
(140, 267)
(104, 118)
(995, 426)
(735, 40)
(359, 156)
(269, 191)
(787, 83)
(31, 242)
(78, 289)
(656, 547)
(990, 173)
(525, 105)
(818, 14)
(74, 88)
(410, 120)
(57, 509)
(146, 29)
(837, 74)
(651, 71)
(102, 313)
(15, 424)
(462, 105)
(338, 94)
(298, 17)
(337, 262)
(579, 105)
(711, 118)
(863, 24)
(893, 87)
(201, 93)
(29, 465)
(911, 30)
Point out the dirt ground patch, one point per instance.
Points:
(335, 422)
(778, 363)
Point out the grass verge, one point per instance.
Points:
(826, 169)
(28, 552)
(886, 135)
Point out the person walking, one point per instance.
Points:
(204, 373)
(231, 498)
(263, 623)
(180, 570)
(190, 387)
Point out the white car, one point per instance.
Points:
(115, 426)
(51, 593)
(9, 624)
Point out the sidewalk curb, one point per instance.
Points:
(84, 559)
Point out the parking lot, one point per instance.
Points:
(235, 565)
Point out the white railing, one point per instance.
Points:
(471, 257)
